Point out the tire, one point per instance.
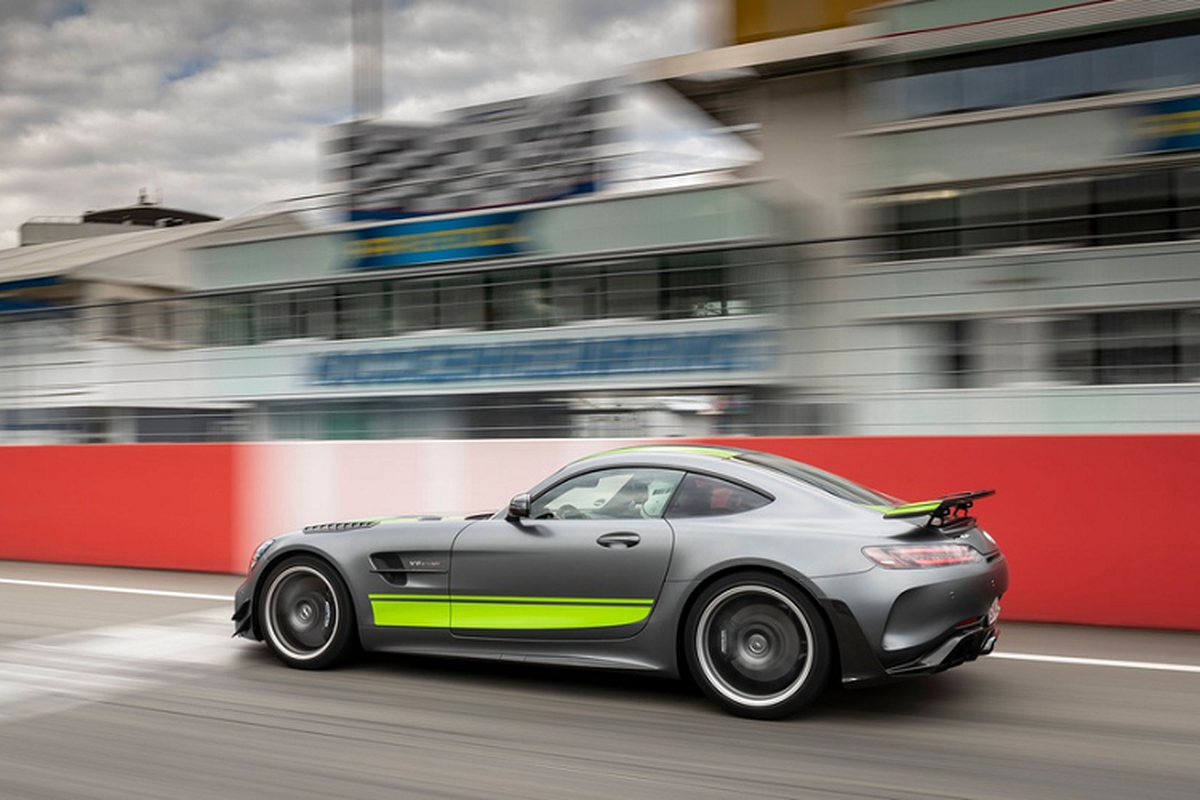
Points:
(305, 615)
(758, 646)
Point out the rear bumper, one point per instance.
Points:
(960, 648)
(932, 622)
(861, 665)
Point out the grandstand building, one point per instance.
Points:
(954, 223)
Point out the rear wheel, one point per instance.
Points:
(758, 646)
(305, 614)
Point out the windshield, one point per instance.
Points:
(825, 481)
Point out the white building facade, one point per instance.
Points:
(958, 224)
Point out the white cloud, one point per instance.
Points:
(219, 106)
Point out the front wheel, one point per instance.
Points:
(305, 614)
(758, 646)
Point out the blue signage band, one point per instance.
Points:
(432, 241)
(724, 351)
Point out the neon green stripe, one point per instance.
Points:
(695, 449)
(484, 598)
(911, 508)
(542, 616)
(585, 601)
(422, 518)
(410, 611)
(505, 613)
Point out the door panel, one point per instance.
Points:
(557, 578)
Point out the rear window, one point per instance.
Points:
(707, 496)
(818, 478)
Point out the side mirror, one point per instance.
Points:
(518, 507)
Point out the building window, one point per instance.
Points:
(928, 227)
(462, 303)
(1059, 213)
(363, 310)
(1187, 197)
(671, 287)
(991, 219)
(1123, 347)
(520, 299)
(991, 85)
(959, 357)
(580, 293)
(632, 289)
(122, 319)
(1074, 349)
(166, 328)
(294, 314)
(275, 315)
(189, 317)
(693, 287)
(1154, 57)
(1133, 208)
(231, 320)
(1149, 206)
(1138, 347)
(415, 306)
(1190, 340)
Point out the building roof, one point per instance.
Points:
(701, 75)
(145, 213)
(98, 258)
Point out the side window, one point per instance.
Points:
(705, 496)
(629, 493)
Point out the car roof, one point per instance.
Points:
(766, 470)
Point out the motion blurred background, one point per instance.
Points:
(904, 229)
(917, 218)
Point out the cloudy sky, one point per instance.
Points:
(219, 106)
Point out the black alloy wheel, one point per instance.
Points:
(758, 646)
(305, 614)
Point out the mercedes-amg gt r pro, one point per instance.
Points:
(761, 578)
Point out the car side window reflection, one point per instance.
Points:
(628, 493)
(706, 496)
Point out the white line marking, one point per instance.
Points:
(1083, 662)
(118, 590)
(1099, 662)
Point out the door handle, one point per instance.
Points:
(623, 540)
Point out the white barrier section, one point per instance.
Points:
(282, 486)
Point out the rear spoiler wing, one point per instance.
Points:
(947, 508)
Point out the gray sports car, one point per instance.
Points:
(761, 578)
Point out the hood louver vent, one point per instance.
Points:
(335, 527)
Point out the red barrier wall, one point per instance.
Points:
(144, 505)
(1098, 530)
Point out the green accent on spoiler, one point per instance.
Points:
(909, 509)
(505, 613)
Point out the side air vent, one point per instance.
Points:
(337, 527)
(395, 568)
(390, 567)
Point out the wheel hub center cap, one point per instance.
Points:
(757, 644)
(305, 612)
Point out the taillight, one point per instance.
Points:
(918, 556)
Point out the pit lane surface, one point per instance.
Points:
(107, 694)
